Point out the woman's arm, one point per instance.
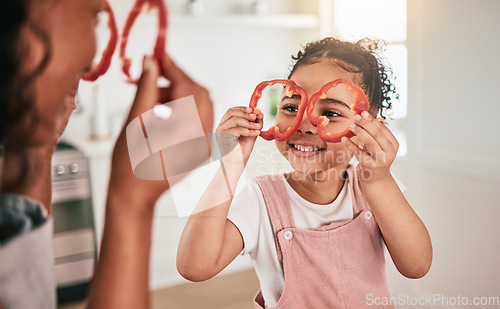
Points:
(405, 235)
(210, 241)
(121, 279)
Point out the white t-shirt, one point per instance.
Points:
(248, 212)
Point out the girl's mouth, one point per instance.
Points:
(305, 150)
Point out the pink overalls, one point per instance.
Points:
(333, 266)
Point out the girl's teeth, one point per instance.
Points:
(306, 148)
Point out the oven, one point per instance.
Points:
(74, 232)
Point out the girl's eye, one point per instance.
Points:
(331, 114)
(291, 108)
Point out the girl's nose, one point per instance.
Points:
(306, 126)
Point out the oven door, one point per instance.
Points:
(74, 233)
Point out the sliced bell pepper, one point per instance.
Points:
(291, 87)
(108, 52)
(360, 103)
(159, 48)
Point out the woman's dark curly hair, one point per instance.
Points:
(359, 57)
(16, 87)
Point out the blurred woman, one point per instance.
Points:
(46, 45)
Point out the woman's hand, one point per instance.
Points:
(123, 185)
(378, 151)
(240, 125)
(181, 85)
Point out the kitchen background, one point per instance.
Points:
(445, 57)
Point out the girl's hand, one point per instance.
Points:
(378, 151)
(240, 125)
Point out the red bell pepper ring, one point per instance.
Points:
(159, 48)
(292, 87)
(360, 104)
(108, 52)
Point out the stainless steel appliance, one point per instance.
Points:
(74, 233)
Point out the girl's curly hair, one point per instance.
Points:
(360, 57)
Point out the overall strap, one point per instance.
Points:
(277, 201)
(277, 205)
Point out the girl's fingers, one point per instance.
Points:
(240, 122)
(390, 137)
(366, 138)
(390, 140)
(238, 111)
(239, 131)
(354, 149)
(378, 130)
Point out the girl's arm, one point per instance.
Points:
(404, 233)
(210, 241)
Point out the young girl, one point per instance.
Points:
(314, 235)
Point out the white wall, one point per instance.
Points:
(453, 167)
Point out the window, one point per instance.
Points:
(382, 19)
(386, 20)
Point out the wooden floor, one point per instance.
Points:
(230, 291)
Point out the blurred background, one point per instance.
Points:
(444, 54)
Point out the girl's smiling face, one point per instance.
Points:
(305, 150)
